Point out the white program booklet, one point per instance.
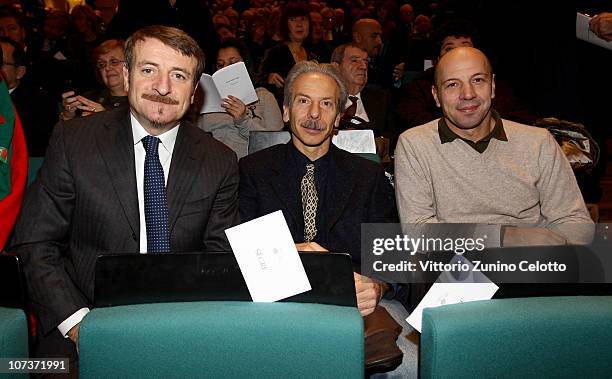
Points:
(469, 289)
(584, 33)
(230, 80)
(268, 259)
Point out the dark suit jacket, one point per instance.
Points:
(84, 202)
(377, 104)
(38, 113)
(357, 191)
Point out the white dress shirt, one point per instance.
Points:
(360, 111)
(165, 149)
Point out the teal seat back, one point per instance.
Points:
(34, 164)
(222, 340)
(13, 336)
(560, 337)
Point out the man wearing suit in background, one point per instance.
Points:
(117, 181)
(325, 193)
(370, 103)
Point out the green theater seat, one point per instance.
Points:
(222, 340)
(550, 337)
(13, 336)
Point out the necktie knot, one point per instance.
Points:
(310, 169)
(151, 144)
(353, 99)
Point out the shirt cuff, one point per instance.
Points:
(71, 321)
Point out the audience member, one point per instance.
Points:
(13, 165)
(11, 25)
(415, 103)
(95, 187)
(367, 106)
(233, 127)
(193, 17)
(109, 59)
(37, 109)
(317, 43)
(367, 34)
(80, 45)
(325, 193)
(257, 39)
(471, 150)
(278, 60)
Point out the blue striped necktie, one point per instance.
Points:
(155, 202)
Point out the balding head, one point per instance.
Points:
(406, 14)
(464, 87)
(367, 34)
(460, 56)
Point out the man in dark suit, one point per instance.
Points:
(36, 108)
(138, 181)
(325, 193)
(368, 106)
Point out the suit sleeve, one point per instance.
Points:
(413, 106)
(249, 208)
(382, 201)
(41, 238)
(224, 212)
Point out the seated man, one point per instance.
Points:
(324, 193)
(471, 166)
(27, 97)
(369, 103)
(137, 180)
(415, 105)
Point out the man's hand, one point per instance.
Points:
(602, 25)
(531, 237)
(369, 292)
(310, 246)
(73, 334)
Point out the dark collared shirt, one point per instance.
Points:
(447, 135)
(320, 172)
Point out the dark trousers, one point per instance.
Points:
(54, 345)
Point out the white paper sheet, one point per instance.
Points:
(355, 141)
(473, 287)
(268, 259)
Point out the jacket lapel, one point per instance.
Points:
(116, 147)
(340, 185)
(285, 186)
(186, 157)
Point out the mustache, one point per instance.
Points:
(313, 124)
(160, 99)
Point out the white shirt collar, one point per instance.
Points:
(167, 138)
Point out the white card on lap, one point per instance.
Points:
(268, 259)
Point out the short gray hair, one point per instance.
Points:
(306, 67)
(338, 53)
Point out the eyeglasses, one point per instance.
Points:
(101, 65)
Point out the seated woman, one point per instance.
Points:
(279, 59)
(109, 59)
(233, 127)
